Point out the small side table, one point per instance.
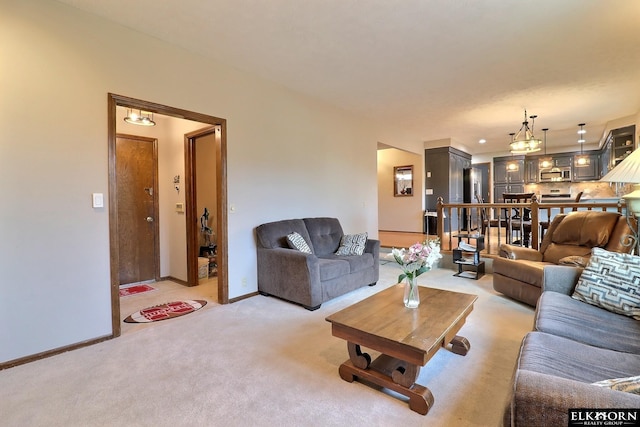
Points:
(469, 263)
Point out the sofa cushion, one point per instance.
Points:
(611, 280)
(565, 358)
(296, 241)
(628, 384)
(352, 244)
(332, 268)
(561, 315)
(325, 234)
(356, 263)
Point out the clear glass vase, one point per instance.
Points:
(411, 296)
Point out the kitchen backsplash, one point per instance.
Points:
(592, 190)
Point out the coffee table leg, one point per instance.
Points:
(357, 357)
(460, 345)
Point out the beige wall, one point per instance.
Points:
(288, 156)
(400, 213)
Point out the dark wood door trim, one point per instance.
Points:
(221, 210)
(113, 101)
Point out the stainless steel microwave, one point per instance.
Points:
(555, 174)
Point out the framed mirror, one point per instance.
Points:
(403, 181)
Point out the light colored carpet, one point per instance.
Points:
(265, 362)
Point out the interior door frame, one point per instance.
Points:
(156, 205)
(191, 208)
(114, 100)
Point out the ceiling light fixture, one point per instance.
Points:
(512, 166)
(524, 142)
(142, 118)
(545, 162)
(582, 160)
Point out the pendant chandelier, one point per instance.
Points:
(142, 118)
(545, 162)
(524, 142)
(582, 160)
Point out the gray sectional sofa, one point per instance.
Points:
(573, 345)
(309, 279)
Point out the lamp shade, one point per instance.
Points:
(627, 171)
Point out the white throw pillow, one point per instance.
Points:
(296, 241)
(352, 244)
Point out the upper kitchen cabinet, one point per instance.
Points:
(588, 170)
(531, 171)
(621, 142)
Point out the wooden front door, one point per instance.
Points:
(136, 187)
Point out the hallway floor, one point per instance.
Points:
(166, 291)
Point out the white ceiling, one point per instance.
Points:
(463, 69)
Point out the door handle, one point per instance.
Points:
(149, 219)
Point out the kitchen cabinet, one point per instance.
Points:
(505, 179)
(444, 169)
(622, 144)
(590, 171)
(531, 170)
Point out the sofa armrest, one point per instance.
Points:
(519, 252)
(560, 278)
(373, 247)
(290, 274)
(545, 400)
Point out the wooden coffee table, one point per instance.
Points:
(407, 338)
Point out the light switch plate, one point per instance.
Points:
(97, 200)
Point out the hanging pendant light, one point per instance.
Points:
(512, 165)
(545, 162)
(524, 142)
(582, 160)
(142, 118)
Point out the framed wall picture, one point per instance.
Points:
(403, 181)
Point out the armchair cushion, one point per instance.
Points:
(611, 281)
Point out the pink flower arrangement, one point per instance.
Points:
(417, 259)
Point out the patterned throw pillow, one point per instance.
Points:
(611, 281)
(352, 244)
(296, 241)
(629, 384)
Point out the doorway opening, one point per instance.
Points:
(187, 258)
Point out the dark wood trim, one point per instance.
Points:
(223, 229)
(113, 214)
(173, 279)
(119, 100)
(190, 206)
(49, 353)
(245, 296)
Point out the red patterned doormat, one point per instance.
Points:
(136, 289)
(165, 311)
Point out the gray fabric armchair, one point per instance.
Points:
(311, 279)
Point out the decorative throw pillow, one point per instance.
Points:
(573, 260)
(611, 281)
(352, 244)
(629, 384)
(296, 241)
